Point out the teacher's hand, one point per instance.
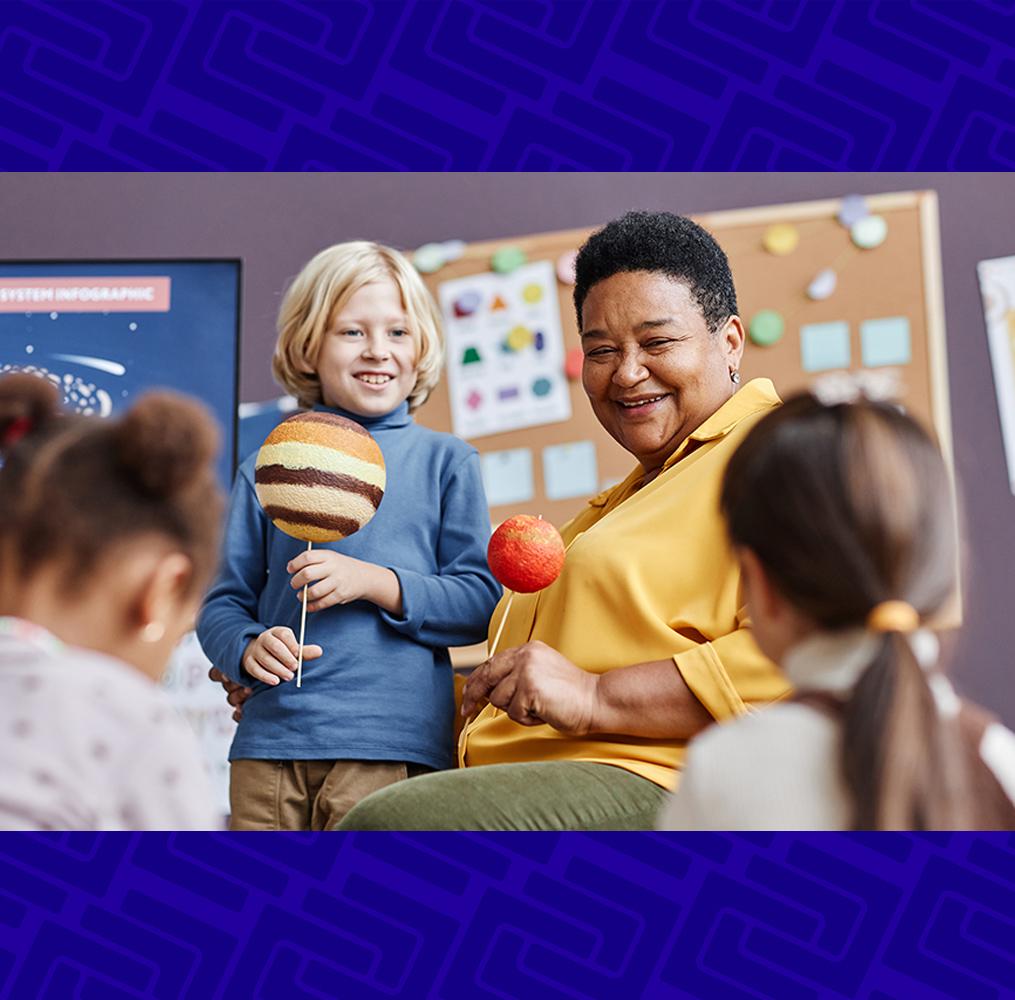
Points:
(534, 684)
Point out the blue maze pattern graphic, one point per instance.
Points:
(501, 916)
(507, 84)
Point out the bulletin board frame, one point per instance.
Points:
(902, 277)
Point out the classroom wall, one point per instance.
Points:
(276, 221)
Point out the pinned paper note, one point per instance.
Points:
(997, 287)
(824, 346)
(510, 351)
(570, 470)
(507, 476)
(885, 341)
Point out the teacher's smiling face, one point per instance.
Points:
(653, 370)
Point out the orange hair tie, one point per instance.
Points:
(893, 616)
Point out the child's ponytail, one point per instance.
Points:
(902, 758)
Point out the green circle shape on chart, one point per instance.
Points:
(766, 327)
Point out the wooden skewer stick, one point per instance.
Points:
(500, 628)
(303, 628)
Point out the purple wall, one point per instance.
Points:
(275, 222)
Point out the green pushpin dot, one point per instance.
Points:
(766, 327)
(508, 259)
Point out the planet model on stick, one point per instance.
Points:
(319, 478)
(526, 554)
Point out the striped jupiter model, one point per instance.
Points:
(319, 477)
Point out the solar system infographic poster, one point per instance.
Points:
(505, 351)
(103, 332)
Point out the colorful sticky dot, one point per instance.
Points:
(852, 210)
(542, 387)
(565, 267)
(822, 285)
(508, 259)
(452, 249)
(766, 328)
(429, 258)
(869, 232)
(532, 293)
(573, 363)
(780, 239)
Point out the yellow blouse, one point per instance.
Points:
(649, 575)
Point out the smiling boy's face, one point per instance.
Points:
(367, 361)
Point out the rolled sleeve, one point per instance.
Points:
(413, 617)
(730, 674)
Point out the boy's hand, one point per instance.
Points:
(272, 656)
(334, 578)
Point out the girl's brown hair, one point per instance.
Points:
(72, 487)
(847, 506)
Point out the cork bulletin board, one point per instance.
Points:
(884, 315)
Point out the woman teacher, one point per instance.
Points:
(584, 718)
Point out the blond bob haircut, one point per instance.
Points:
(319, 292)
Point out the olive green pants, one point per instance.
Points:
(546, 795)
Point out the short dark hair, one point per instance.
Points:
(662, 242)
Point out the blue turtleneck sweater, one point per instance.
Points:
(383, 688)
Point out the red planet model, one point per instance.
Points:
(526, 553)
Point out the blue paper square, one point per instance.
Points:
(570, 470)
(507, 476)
(885, 342)
(824, 346)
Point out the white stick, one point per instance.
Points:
(500, 628)
(303, 628)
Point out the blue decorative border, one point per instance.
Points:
(507, 915)
(507, 85)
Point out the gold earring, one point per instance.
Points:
(153, 632)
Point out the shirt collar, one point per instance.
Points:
(834, 661)
(398, 417)
(30, 633)
(754, 397)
